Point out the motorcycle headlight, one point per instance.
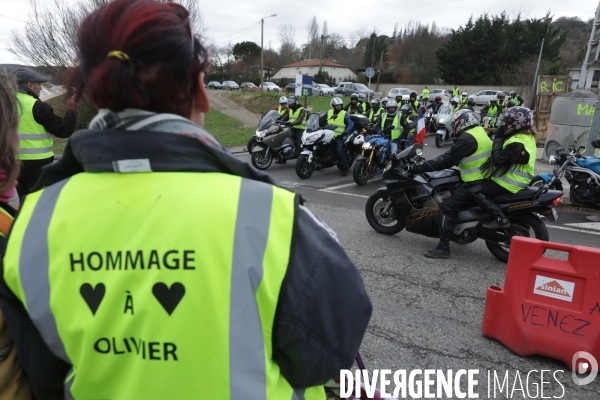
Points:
(366, 146)
(311, 138)
(553, 160)
(442, 120)
(261, 134)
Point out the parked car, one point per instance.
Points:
(446, 95)
(230, 85)
(271, 87)
(214, 85)
(321, 89)
(405, 92)
(248, 85)
(482, 98)
(347, 88)
(290, 88)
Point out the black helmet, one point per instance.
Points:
(413, 94)
(375, 102)
(353, 96)
(405, 109)
(494, 100)
(471, 102)
(292, 102)
(463, 120)
(515, 120)
(501, 95)
(510, 104)
(513, 93)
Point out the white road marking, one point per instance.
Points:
(334, 188)
(564, 228)
(586, 225)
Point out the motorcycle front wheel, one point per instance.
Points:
(439, 140)
(360, 172)
(304, 168)
(533, 225)
(382, 220)
(349, 159)
(262, 159)
(251, 144)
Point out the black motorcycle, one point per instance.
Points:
(413, 202)
(273, 139)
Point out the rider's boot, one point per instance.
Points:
(443, 248)
(497, 223)
(500, 221)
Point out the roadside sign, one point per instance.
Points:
(369, 72)
(303, 85)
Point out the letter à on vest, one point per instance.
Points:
(132, 260)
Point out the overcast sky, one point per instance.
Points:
(226, 19)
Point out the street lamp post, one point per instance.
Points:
(262, 24)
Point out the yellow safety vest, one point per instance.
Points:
(145, 307)
(294, 115)
(516, 100)
(396, 128)
(36, 143)
(374, 115)
(469, 166)
(455, 92)
(281, 110)
(338, 120)
(492, 110)
(425, 94)
(519, 177)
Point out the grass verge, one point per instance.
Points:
(228, 130)
(257, 103)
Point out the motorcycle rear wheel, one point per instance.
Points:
(360, 172)
(537, 229)
(262, 159)
(385, 223)
(304, 168)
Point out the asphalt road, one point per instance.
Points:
(427, 314)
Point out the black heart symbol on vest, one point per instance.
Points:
(92, 296)
(168, 298)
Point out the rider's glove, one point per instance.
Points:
(596, 144)
(414, 169)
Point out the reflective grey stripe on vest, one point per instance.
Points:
(68, 385)
(34, 136)
(247, 370)
(512, 182)
(33, 269)
(477, 157)
(469, 171)
(38, 150)
(520, 173)
(298, 394)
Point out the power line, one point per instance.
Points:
(6, 16)
(235, 33)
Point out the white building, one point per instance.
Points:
(338, 72)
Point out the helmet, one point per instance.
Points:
(471, 103)
(336, 101)
(406, 109)
(501, 95)
(515, 120)
(494, 100)
(292, 101)
(385, 100)
(283, 100)
(361, 97)
(510, 104)
(375, 102)
(463, 120)
(392, 104)
(398, 97)
(513, 93)
(354, 96)
(413, 94)
(454, 101)
(438, 98)
(463, 94)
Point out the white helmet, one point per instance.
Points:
(464, 94)
(385, 99)
(455, 100)
(391, 103)
(283, 100)
(336, 101)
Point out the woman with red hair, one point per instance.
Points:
(152, 264)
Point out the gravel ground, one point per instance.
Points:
(220, 101)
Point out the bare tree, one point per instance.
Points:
(360, 33)
(287, 37)
(311, 49)
(50, 42)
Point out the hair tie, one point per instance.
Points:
(119, 54)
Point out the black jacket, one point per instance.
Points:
(435, 106)
(323, 308)
(464, 146)
(354, 108)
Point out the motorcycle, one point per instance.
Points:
(273, 139)
(413, 202)
(582, 174)
(373, 159)
(444, 132)
(318, 149)
(430, 122)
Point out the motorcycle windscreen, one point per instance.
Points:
(267, 120)
(313, 123)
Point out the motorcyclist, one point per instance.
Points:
(470, 151)
(455, 105)
(511, 165)
(283, 105)
(471, 104)
(510, 103)
(492, 110)
(344, 125)
(384, 102)
(375, 110)
(407, 123)
(464, 97)
(296, 118)
(389, 124)
(414, 106)
(366, 106)
(435, 106)
(502, 101)
(399, 100)
(353, 107)
(518, 100)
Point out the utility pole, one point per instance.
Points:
(262, 24)
(323, 37)
(537, 69)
